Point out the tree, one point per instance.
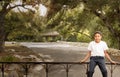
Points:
(5, 7)
(18, 26)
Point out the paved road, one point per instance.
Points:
(64, 52)
(58, 51)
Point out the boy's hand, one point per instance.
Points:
(82, 61)
(114, 62)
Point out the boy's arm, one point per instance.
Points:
(86, 57)
(108, 57)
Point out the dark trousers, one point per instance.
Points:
(97, 60)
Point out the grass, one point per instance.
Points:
(9, 58)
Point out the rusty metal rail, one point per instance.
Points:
(67, 66)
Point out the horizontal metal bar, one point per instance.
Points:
(52, 63)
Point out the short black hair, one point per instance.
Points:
(98, 32)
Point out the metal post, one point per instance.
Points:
(46, 70)
(2, 69)
(87, 69)
(26, 70)
(67, 70)
(111, 70)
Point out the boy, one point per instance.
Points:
(97, 52)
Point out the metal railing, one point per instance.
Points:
(47, 65)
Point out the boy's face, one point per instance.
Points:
(97, 38)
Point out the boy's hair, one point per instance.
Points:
(97, 32)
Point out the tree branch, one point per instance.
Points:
(19, 6)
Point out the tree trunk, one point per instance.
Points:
(119, 43)
(2, 33)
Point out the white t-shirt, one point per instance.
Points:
(97, 49)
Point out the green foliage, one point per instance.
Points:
(83, 38)
(70, 22)
(8, 58)
(16, 27)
